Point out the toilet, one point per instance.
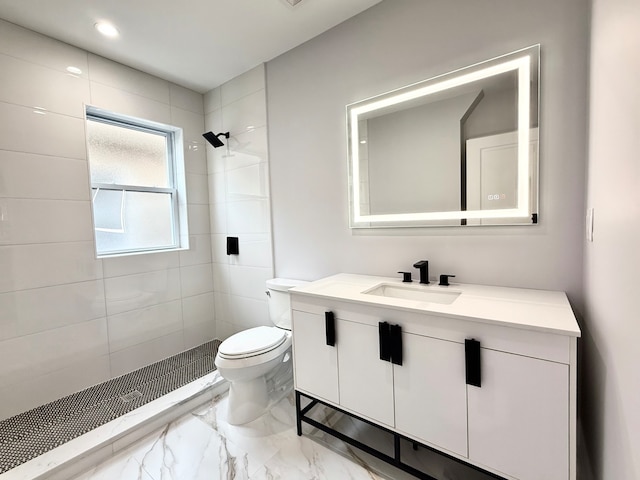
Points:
(250, 359)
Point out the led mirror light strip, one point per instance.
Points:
(523, 66)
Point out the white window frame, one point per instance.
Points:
(176, 175)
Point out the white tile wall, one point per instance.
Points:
(41, 265)
(249, 281)
(196, 313)
(198, 219)
(24, 129)
(212, 100)
(134, 264)
(51, 350)
(26, 175)
(26, 312)
(246, 113)
(240, 202)
(68, 320)
(44, 221)
(139, 326)
(123, 78)
(25, 83)
(243, 85)
(39, 49)
(249, 216)
(186, 99)
(197, 188)
(196, 279)
(133, 292)
(116, 100)
(145, 353)
(199, 251)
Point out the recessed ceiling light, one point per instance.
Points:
(107, 29)
(74, 70)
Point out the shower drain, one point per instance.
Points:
(128, 397)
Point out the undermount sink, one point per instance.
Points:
(414, 292)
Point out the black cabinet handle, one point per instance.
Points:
(330, 328)
(385, 347)
(472, 362)
(395, 332)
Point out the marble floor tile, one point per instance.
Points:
(122, 467)
(203, 446)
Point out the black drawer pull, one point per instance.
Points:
(330, 328)
(472, 362)
(396, 344)
(385, 347)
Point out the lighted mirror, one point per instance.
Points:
(457, 149)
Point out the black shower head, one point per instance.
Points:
(213, 139)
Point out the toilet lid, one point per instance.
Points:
(252, 342)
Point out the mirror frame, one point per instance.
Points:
(524, 62)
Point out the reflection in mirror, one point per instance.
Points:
(458, 149)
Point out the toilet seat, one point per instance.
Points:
(252, 342)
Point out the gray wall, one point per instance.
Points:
(395, 43)
(611, 382)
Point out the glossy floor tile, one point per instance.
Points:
(202, 445)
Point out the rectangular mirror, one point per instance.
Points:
(457, 149)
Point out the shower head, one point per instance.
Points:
(213, 139)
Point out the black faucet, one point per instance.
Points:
(423, 266)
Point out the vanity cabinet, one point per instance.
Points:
(519, 423)
(430, 393)
(316, 363)
(518, 419)
(365, 381)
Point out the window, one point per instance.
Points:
(137, 184)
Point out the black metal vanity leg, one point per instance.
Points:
(415, 446)
(298, 415)
(396, 448)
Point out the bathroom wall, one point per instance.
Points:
(610, 379)
(240, 201)
(67, 320)
(395, 43)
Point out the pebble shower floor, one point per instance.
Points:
(32, 433)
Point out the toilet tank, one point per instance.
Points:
(278, 300)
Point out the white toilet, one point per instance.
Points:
(248, 358)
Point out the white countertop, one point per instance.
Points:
(541, 310)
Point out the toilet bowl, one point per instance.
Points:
(251, 358)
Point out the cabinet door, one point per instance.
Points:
(430, 393)
(519, 418)
(315, 362)
(366, 382)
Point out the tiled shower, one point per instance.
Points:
(69, 320)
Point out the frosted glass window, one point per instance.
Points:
(135, 184)
(127, 156)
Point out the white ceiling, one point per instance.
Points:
(199, 44)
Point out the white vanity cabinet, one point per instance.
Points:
(316, 363)
(519, 423)
(430, 393)
(365, 381)
(519, 418)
